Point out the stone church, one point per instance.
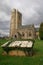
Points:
(17, 30)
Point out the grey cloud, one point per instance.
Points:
(32, 12)
(4, 7)
(38, 13)
(4, 25)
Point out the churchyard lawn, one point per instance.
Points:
(36, 59)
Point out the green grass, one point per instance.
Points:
(2, 41)
(36, 59)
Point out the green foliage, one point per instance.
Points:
(41, 31)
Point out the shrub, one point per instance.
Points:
(41, 31)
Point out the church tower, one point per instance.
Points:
(16, 21)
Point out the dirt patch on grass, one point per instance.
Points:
(4, 53)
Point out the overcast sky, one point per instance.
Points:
(32, 12)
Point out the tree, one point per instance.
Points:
(41, 31)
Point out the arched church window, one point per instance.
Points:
(15, 36)
(29, 33)
(23, 34)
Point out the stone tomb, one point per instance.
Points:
(18, 48)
